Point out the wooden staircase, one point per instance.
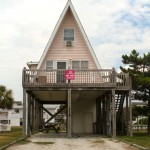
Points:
(119, 100)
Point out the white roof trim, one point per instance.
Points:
(69, 4)
(32, 63)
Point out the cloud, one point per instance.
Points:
(119, 30)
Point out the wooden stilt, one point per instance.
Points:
(41, 117)
(122, 122)
(69, 113)
(130, 110)
(24, 114)
(32, 129)
(113, 115)
(31, 122)
(29, 116)
(108, 115)
(36, 117)
(127, 115)
(98, 116)
(33, 117)
(104, 116)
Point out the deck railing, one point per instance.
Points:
(83, 78)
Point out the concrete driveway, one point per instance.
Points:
(54, 142)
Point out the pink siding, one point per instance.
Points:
(79, 51)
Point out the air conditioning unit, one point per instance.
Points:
(68, 43)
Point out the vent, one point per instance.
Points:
(68, 43)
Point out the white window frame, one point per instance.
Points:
(49, 66)
(76, 61)
(73, 34)
(87, 64)
(80, 63)
(61, 61)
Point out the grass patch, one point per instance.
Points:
(140, 139)
(43, 143)
(10, 136)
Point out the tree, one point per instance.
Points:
(139, 70)
(6, 99)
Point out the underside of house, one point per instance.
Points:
(69, 74)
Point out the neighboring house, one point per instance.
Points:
(16, 113)
(69, 73)
(138, 103)
(5, 123)
(50, 108)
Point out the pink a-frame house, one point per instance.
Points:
(94, 98)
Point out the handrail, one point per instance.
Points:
(83, 77)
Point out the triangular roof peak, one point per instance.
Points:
(67, 7)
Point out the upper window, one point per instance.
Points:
(68, 34)
(49, 65)
(84, 64)
(75, 64)
(79, 64)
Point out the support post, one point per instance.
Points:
(24, 114)
(36, 116)
(130, 111)
(122, 122)
(33, 116)
(98, 116)
(41, 117)
(108, 115)
(127, 115)
(29, 116)
(104, 115)
(69, 113)
(113, 115)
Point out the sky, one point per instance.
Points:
(114, 28)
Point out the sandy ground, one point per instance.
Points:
(76, 143)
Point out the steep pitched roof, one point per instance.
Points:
(68, 5)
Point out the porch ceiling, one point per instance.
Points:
(60, 96)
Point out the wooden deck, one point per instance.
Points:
(103, 78)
